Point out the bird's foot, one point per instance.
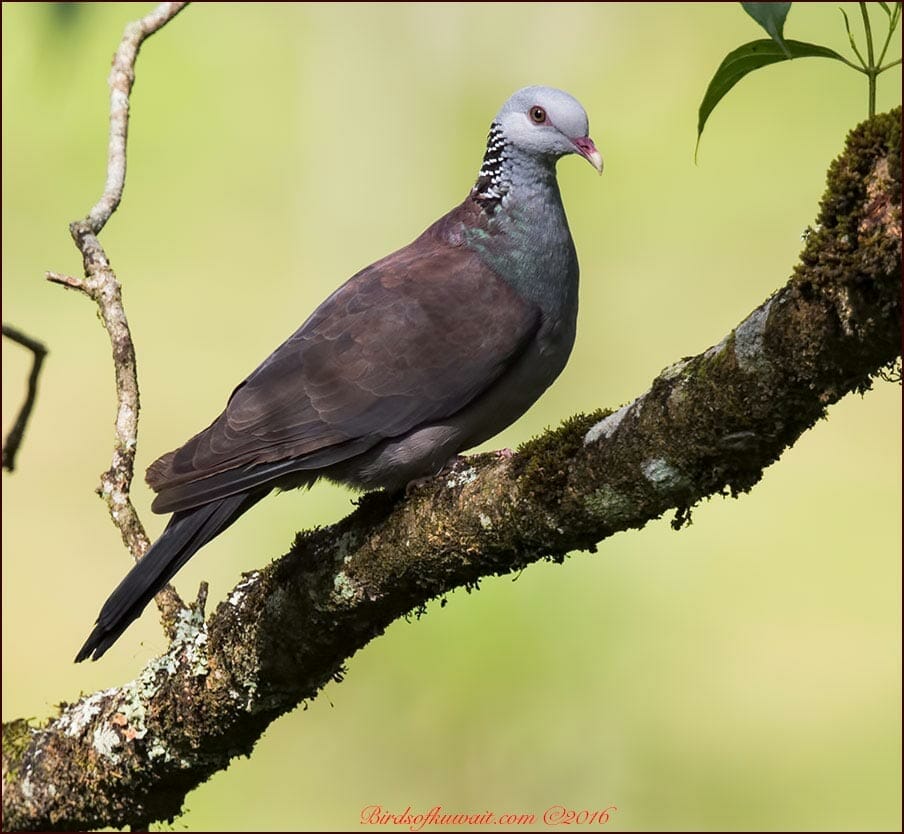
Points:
(416, 484)
(504, 454)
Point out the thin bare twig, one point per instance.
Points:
(14, 438)
(101, 285)
(122, 77)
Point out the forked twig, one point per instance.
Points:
(101, 285)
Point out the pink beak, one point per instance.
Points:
(585, 147)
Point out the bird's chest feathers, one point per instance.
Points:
(526, 241)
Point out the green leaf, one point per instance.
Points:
(747, 58)
(885, 8)
(771, 16)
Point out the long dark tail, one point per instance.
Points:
(187, 532)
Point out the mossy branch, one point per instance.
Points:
(708, 425)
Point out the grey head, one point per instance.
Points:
(535, 127)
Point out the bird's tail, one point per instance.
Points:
(186, 533)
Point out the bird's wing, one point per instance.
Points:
(407, 341)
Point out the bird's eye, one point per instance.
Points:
(537, 115)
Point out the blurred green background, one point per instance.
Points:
(744, 673)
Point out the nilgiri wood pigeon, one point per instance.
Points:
(429, 351)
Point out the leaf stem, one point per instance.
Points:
(852, 65)
(871, 69)
(893, 19)
(850, 34)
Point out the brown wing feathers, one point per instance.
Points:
(409, 340)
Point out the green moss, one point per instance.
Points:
(542, 462)
(842, 209)
(556, 445)
(16, 738)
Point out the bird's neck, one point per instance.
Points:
(524, 235)
(491, 183)
(508, 175)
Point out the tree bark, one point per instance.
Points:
(708, 424)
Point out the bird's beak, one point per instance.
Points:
(585, 147)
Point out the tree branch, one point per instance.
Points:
(122, 77)
(708, 425)
(101, 286)
(17, 432)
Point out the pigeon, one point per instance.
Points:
(424, 354)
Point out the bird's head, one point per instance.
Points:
(548, 122)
